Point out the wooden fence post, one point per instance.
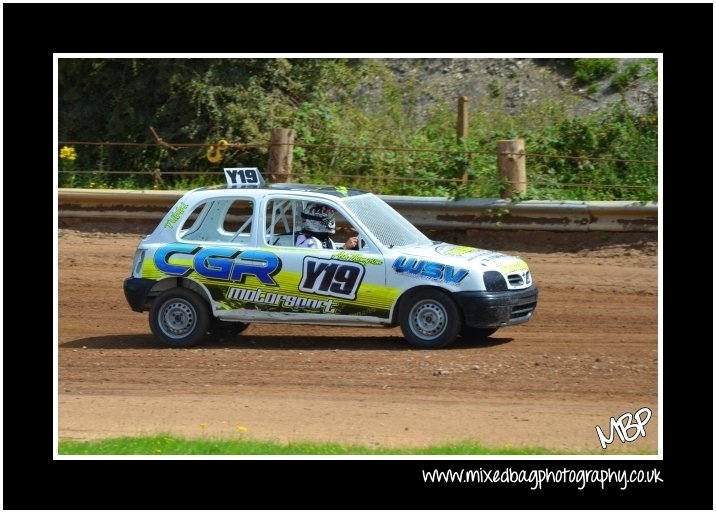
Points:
(462, 119)
(280, 158)
(463, 122)
(511, 165)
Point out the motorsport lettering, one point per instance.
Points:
(270, 298)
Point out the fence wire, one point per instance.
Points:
(246, 146)
(465, 180)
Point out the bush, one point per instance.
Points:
(587, 71)
(626, 77)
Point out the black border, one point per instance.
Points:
(32, 480)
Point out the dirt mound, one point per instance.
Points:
(513, 85)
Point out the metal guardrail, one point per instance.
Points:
(424, 213)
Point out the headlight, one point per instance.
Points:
(138, 261)
(494, 281)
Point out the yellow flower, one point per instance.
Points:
(241, 429)
(68, 153)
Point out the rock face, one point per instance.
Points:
(509, 84)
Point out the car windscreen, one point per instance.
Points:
(388, 226)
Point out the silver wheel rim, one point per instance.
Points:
(177, 318)
(428, 319)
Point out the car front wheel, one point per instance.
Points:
(179, 318)
(429, 319)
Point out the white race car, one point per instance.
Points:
(224, 257)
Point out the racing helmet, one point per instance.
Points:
(318, 218)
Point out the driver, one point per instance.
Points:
(319, 223)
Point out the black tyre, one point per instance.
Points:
(429, 319)
(179, 318)
(476, 333)
(222, 330)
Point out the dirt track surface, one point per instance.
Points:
(589, 353)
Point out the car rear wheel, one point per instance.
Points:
(179, 318)
(476, 333)
(429, 319)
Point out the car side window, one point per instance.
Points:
(283, 224)
(282, 221)
(344, 231)
(220, 220)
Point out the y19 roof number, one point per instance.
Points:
(243, 177)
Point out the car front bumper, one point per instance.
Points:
(496, 309)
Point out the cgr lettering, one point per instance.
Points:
(217, 263)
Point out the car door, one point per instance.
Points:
(324, 284)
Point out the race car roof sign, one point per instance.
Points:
(242, 177)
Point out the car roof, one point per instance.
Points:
(333, 190)
(329, 190)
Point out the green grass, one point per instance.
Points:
(161, 445)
